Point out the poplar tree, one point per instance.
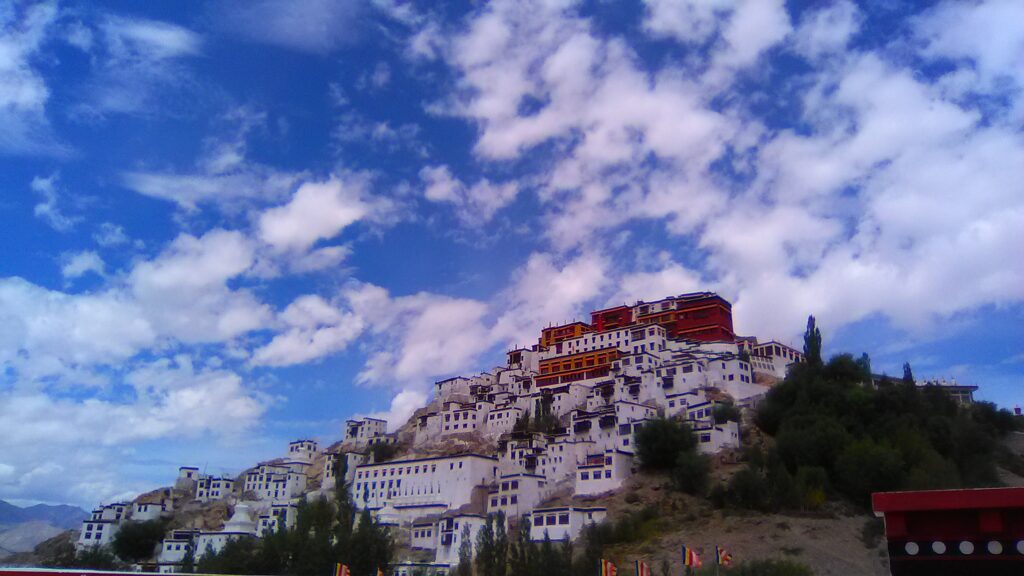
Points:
(812, 343)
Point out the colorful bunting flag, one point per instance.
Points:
(642, 569)
(690, 558)
(724, 558)
(607, 568)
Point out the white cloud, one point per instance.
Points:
(418, 337)
(48, 209)
(184, 292)
(317, 211)
(547, 291)
(688, 21)
(78, 264)
(223, 175)
(109, 235)
(828, 29)
(475, 205)
(138, 66)
(315, 328)
(403, 404)
(672, 278)
(46, 332)
(24, 128)
(317, 26)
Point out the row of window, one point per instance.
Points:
(596, 475)
(402, 470)
(505, 500)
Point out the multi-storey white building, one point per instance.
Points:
(365, 432)
(414, 487)
(210, 488)
(174, 548)
(101, 526)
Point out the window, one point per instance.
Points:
(584, 475)
(607, 473)
(563, 519)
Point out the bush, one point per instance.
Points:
(811, 483)
(867, 467)
(726, 412)
(691, 473)
(660, 442)
(96, 558)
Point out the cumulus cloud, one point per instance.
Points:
(315, 328)
(856, 232)
(548, 291)
(78, 264)
(418, 337)
(317, 211)
(184, 291)
(475, 205)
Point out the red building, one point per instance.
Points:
(954, 532)
(703, 316)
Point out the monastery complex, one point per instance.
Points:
(540, 438)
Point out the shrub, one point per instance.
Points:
(691, 473)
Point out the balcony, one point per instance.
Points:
(608, 421)
(581, 426)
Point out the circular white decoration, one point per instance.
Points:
(995, 547)
(966, 547)
(1020, 546)
(912, 548)
(939, 547)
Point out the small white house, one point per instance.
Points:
(600, 473)
(304, 450)
(450, 533)
(210, 488)
(360, 433)
(560, 523)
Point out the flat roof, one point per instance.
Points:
(427, 459)
(971, 498)
(572, 508)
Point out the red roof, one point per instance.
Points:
(972, 499)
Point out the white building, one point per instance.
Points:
(516, 494)
(563, 522)
(280, 516)
(414, 487)
(713, 438)
(601, 473)
(450, 532)
(303, 450)
(362, 433)
(174, 548)
(210, 488)
(187, 476)
(101, 526)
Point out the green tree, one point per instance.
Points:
(372, 547)
(522, 557)
(908, 374)
(188, 562)
(97, 558)
(725, 412)
(660, 442)
(865, 366)
(866, 467)
(137, 541)
(465, 566)
(812, 343)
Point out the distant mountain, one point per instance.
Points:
(61, 516)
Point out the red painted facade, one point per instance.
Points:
(611, 318)
(954, 532)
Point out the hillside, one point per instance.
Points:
(828, 541)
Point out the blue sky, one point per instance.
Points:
(229, 227)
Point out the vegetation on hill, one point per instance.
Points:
(838, 432)
(668, 445)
